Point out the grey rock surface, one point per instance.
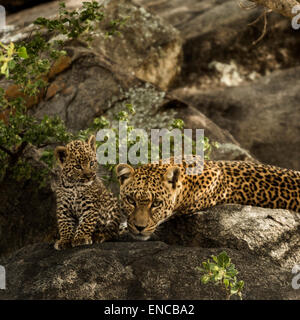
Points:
(222, 31)
(271, 233)
(263, 116)
(147, 46)
(149, 270)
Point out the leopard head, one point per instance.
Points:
(77, 161)
(148, 196)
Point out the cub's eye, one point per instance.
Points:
(130, 200)
(92, 163)
(156, 203)
(78, 166)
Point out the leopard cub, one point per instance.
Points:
(86, 211)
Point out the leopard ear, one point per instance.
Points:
(92, 142)
(123, 172)
(172, 176)
(60, 155)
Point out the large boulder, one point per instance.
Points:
(194, 18)
(263, 244)
(271, 233)
(146, 46)
(263, 116)
(27, 210)
(216, 32)
(134, 270)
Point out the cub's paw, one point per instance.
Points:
(81, 241)
(62, 244)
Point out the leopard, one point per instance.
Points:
(87, 212)
(152, 193)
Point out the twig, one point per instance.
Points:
(264, 15)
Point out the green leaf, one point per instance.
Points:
(215, 268)
(226, 283)
(11, 64)
(223, 259)
(4, 69)
(22, 53)
(218, 276)
(205, 279)
(10, 49)
(241, 284)
(233, 291)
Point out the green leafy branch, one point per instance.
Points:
(76, 23)
(26, 64)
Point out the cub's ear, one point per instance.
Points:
(123, 172)
(60, 155)
(92, 142)
(172, 176)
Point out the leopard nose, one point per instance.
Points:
(88, 174)
(139, 228)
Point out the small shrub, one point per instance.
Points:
(223, 273)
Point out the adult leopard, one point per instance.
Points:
(152, 193)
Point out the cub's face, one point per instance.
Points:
(148, 196)
(78, 161)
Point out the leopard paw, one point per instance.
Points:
(81, 241)
(62, 244)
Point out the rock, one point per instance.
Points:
(27, 215)
(228, 148)
(194, 18)
(146, 46)
(25, 17)
(27, 210)
(17, 5)
(263, 116)
(134, 270)
(231, 151)
(219, 32)
(271, 233)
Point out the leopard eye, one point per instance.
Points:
(78, 166)
(130, 200)
(156, 203)
(92, 163)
